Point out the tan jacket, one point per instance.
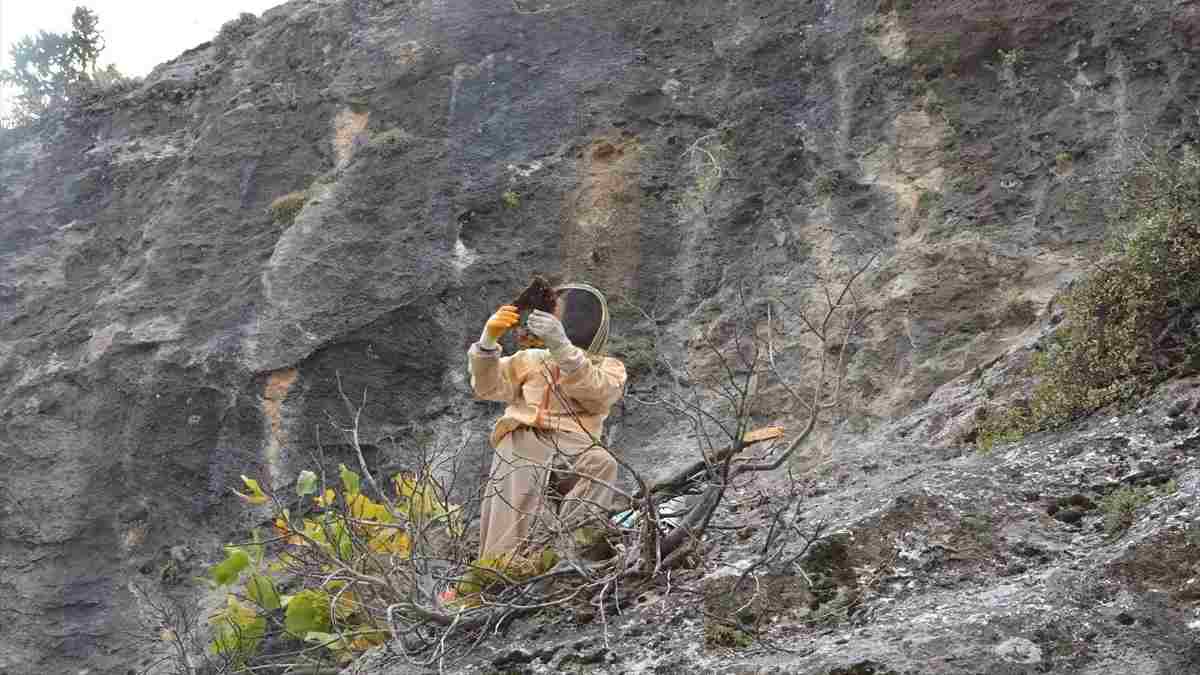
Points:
(586, 391)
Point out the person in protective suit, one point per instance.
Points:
(557, 400)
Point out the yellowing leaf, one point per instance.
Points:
(313, 529)
(420, 501)
(256, 496)
(364, 642)
(406, 485)
(285, 527)
(393, 541)
(363, 508)
(487, 572)
(763, 434)
(331, 535)
(325, 499)
(420, 494)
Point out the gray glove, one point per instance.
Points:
(550, 330)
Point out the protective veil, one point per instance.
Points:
(586, 311)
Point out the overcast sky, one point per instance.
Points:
(140, 34)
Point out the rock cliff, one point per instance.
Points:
(166, 323)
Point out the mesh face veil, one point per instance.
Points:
(585, 317)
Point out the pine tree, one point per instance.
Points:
(85, 42)
(46, 66)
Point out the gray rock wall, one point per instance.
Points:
(161, 332)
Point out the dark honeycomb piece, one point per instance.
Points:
(538, 295)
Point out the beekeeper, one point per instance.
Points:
(558, 398)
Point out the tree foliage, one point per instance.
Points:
(1134, 320)
(85, 42)
(311, 586)
(47, 66)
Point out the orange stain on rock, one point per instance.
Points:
(348, 127)
(602, 219)
(279, 383)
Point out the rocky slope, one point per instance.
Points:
(163, 330)
(997, 564)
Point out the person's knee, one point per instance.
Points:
(599, 464)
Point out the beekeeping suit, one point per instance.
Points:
(557, 400)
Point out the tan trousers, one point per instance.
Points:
(515, 513)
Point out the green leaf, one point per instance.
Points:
(349, 480)
(256, 496)
(319, 638)
(548, 560)
(261, 589)
(306, 484)
(308, 611)
(226, 572)
(342, 540)
(237, 630)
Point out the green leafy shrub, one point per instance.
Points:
(1063, 162)
(285, 209)
(318, 583)
(829, 183)
(1119, 507)
(511, 199)
(237, 631)
(638, 353)
(1011, 58)
(391, 140)
(1125, 326)
(721, 635)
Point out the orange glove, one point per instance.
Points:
(505, 318)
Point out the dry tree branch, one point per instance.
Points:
(400, 591)
(726, 466)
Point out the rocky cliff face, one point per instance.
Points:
(163, 330)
